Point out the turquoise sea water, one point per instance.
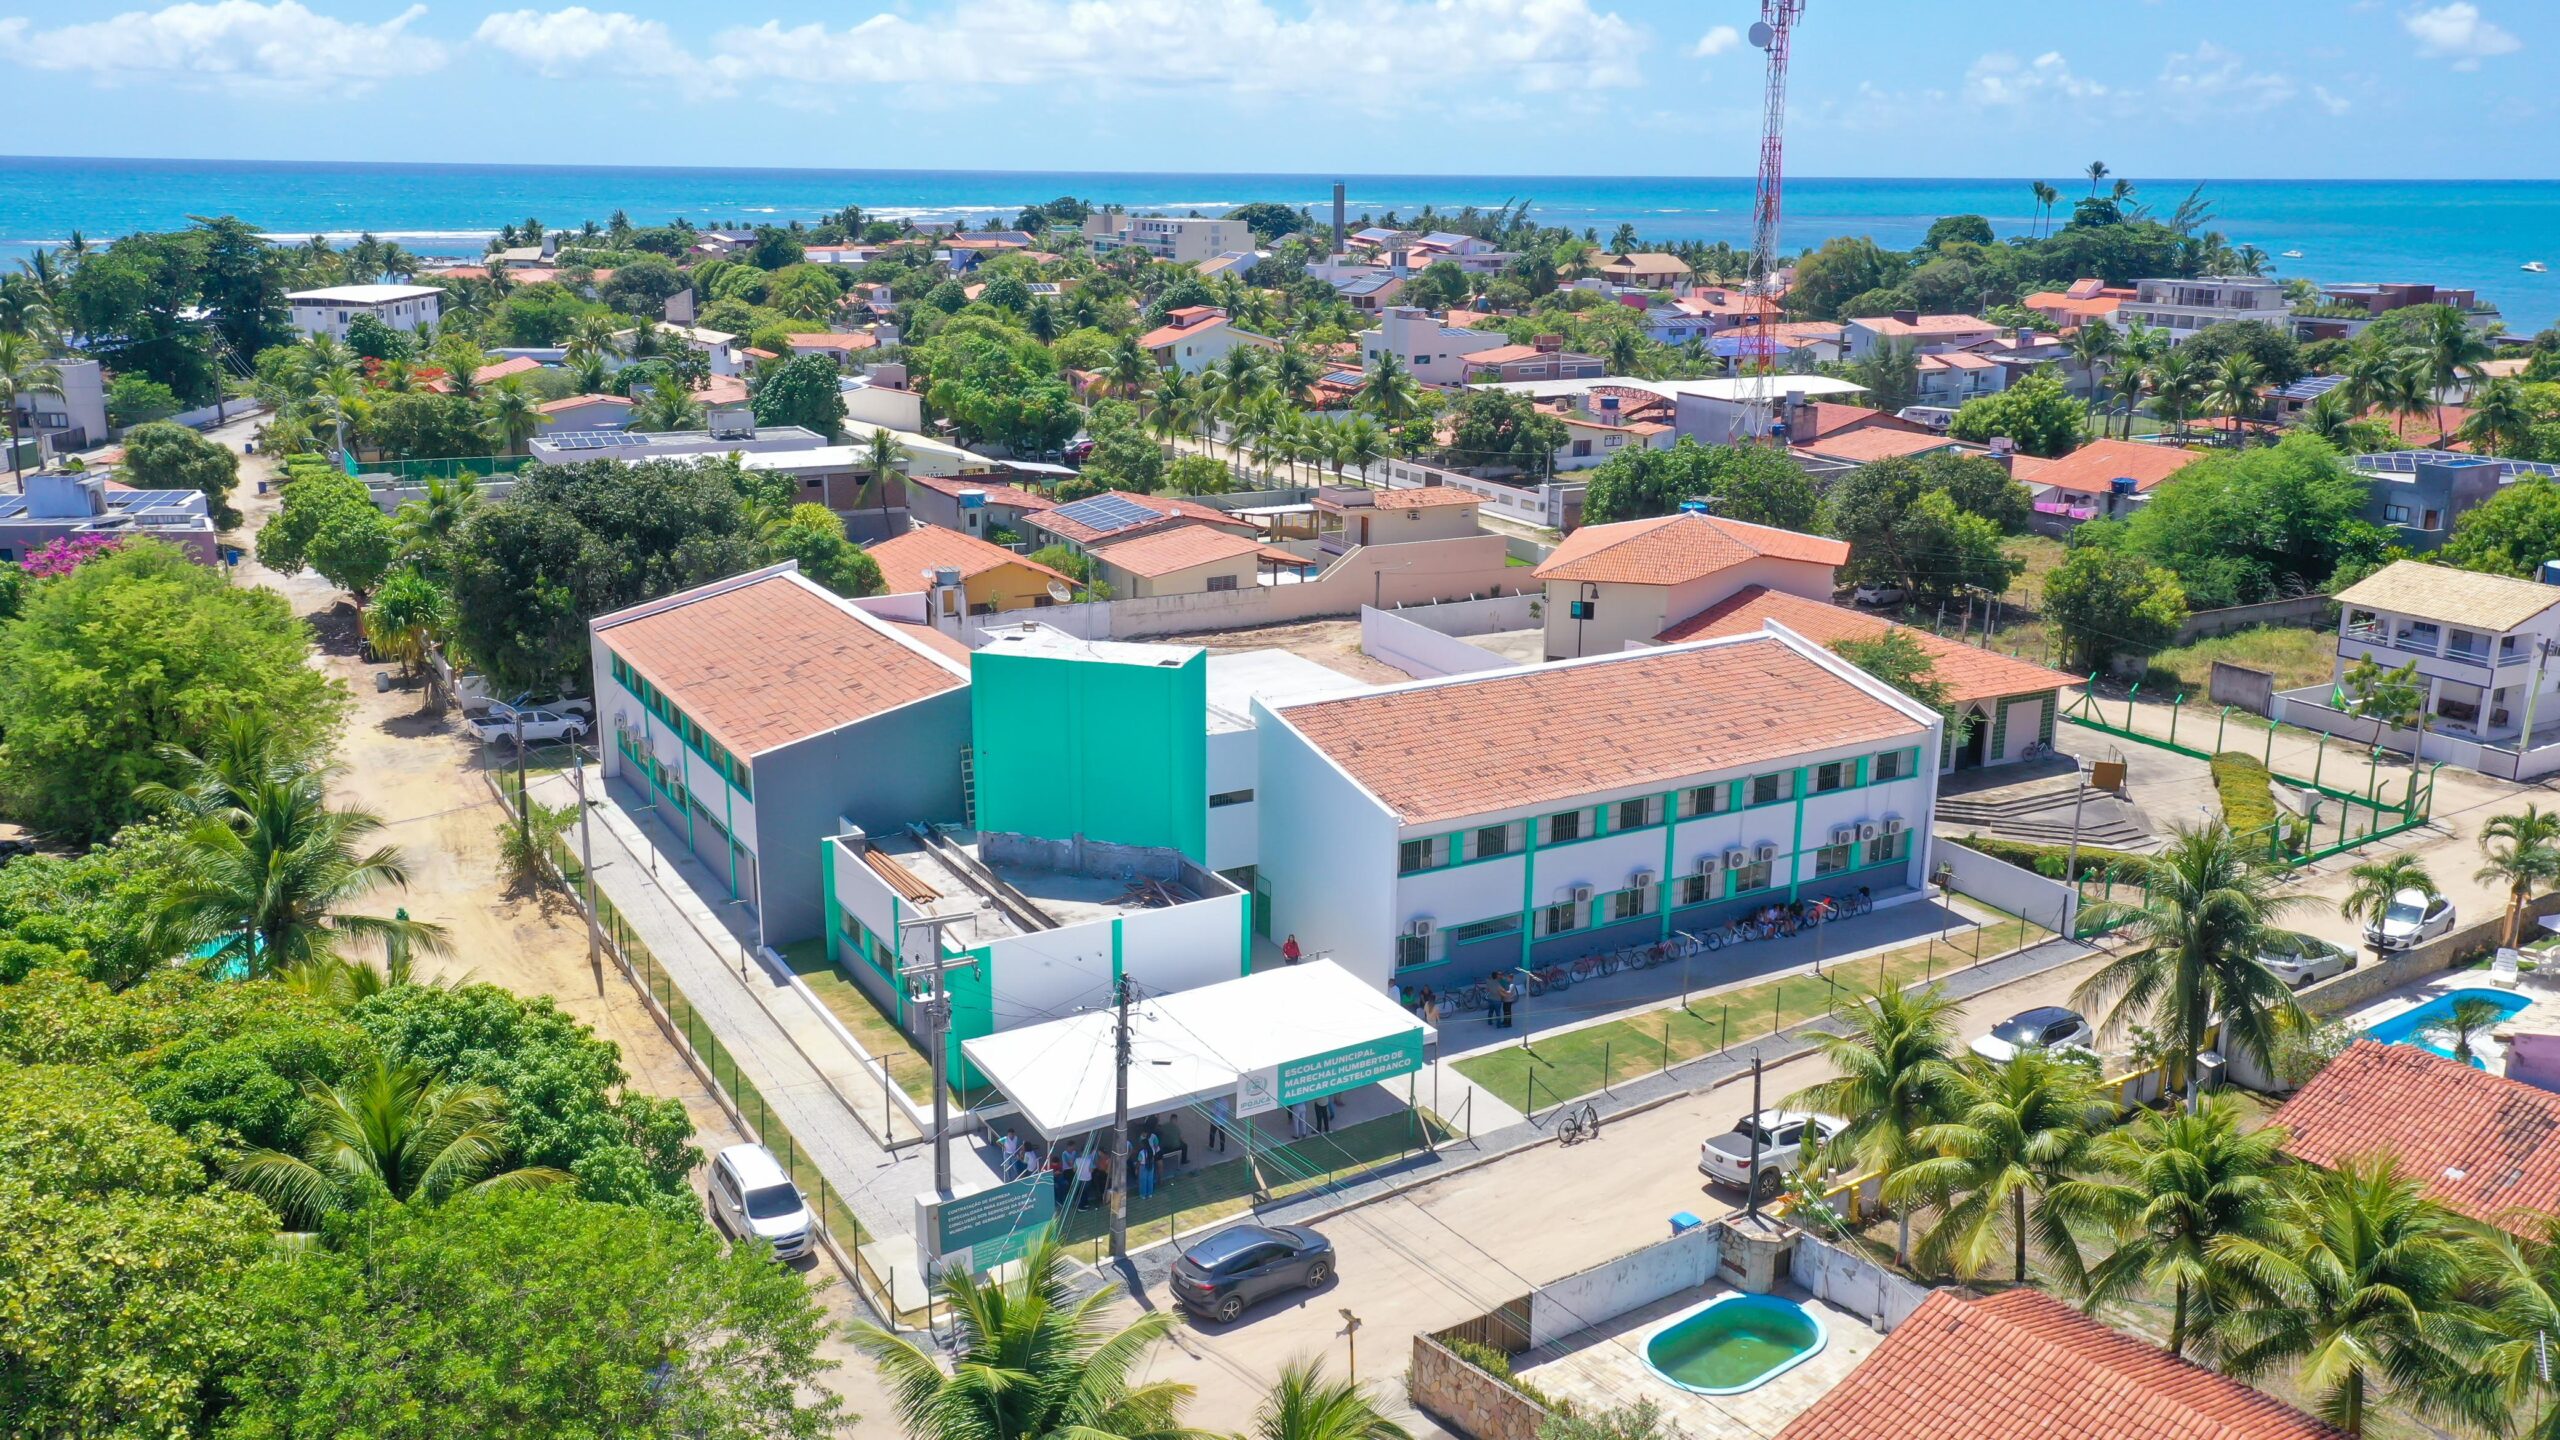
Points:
(2474, 233)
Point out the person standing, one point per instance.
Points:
(1147, 1167)
(1218, 1123)
(1012, 1151)
(1324, 1116)
(1059, 1179)
(1084, 1177)
(1289, 951)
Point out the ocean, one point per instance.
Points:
(2464, 233)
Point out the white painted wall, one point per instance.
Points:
(1422, 653)
(1630, 1282)
(1183, 946)
(706, 783)
(1328, 854)
(2020, 892)
(1626, 613)
(1050, 973)
(2025, 720)
(1234, 830)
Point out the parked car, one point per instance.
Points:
(1076, 452)
(752, 1198)
(567, 705)
(540, 727)
(2046, 1027)
(1880, 595)
(1783, 1136)
(2300, 960)
(1243, 1263)
(2414, 917)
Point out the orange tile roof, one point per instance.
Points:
(774, 661)
(573, 402)
(1868, 443)
(1671, 549)
(1424, 497)
(932, 639)
(904, 558)
(2092, 468)
(2483, 1145)
(1166, 508)
(1968, 673)
(845, 340)
(2057, 302)
(1167, 550)
(1826, 417)
(1923, 325)
(1012, 496)
(2021, 1365)
(501, 369)
(1502, 355)
(1957, 360)
(1484, 743)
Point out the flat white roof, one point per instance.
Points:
(365, 294)
(1275, 677)
(1761, 387)
(1030, 637)
(1187, 1048)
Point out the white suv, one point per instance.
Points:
(541, 727)
(753, 1199)
(1784, 1136)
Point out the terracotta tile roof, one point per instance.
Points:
(723, 390)
(846, 340)
(2462, 597)
(1675, 548)
(2021, 1365)
(903, 559)
(932, 639)
(501, 369)
(1502, 355)
(1874, 442)
(2482, 1144)
(1957, 360)
(1167, 550)
(1824, 418)
(1925, 325)
(2093, 467)
(575, 402)
(1969, 673)
(1484, 743)
(1646, 262)
(2085, 307)
(773, 661)
(1424, 497)
(1461, 319)
(1007, 495)
(1166, 507)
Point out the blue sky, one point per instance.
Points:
(2370, 89)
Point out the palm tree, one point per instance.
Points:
(2330, 417)
(2096, 172)
(393, 1130)
(2234, 389)
(1295, 373)
(1358, 444)
(2501, 418)
(2136, 349)
(2045, 195)
(2366, 1286)
(509, 415)
(885, 453)
(1031, 1360)
(2193, 962)
(2173, 1184)
(2468, 1020)
(263, 880)
(2092, 346)
(1892, 1070)
(1391, 393)
(667, 406)
(24, 370)
(425, 524)
(2370, 373)
(1305, 1405)
(462, 363)
(406, 613)
(2377, 883)
(2176, 385)
(2455, 350)
(240, 753)
(2524, 855)
(597, 337)
(2018, 1131)
(2523, 1277)
(2409, 388)
(1130, 369)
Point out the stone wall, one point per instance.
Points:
(1466, 1400)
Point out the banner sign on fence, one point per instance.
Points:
(1352, 1066)
(983, 1229)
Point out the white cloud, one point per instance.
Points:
(2000, 78)
(231, 44)
(2457, 32)
(1381, 52)
(1715, 42)
(2330, 100)
(2210, 78)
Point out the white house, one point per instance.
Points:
(1924, 333)
(330, 310)
(1196, 337)
(2477, 647)
(1609, 585)
(1430, 833)
(1435, 353)
(1185, 240)
(2183, 307)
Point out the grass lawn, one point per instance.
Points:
(1571, 1064)
(852, 1005)
(2295, 657)
(1515, 560)
(2041, 553)
(1196, 1197)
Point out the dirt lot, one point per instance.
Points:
(1334, 644)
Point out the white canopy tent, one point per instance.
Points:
(1194, 1046)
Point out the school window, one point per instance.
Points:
(1833, 775)
(1769, 789)
(1889, 765)
(1558, 918)
(1492, 840)
(1230, 797)
(1637, 813)
(1222, 582)
(1754, 876)
(1412, 950)
(1426, 854)
(2395, 514)
(1477, 931)
(1694, 889)
(1568, 826)
(1702, 800)
(1831, 859)
(1628, 904)
(1883, 849)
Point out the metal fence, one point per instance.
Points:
(483, 466)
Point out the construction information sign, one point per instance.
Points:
(985, 1228)
(1348, 1068)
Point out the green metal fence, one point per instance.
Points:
(413, 471)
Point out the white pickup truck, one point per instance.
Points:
(538, 727)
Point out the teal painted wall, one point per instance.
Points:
(1109, 750)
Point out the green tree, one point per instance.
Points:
(131, 652)
(1897, 658)
(369, 337)
(1200, 475)
(1503, 429)
(1940, 549)
(1307, 1404)
(2015, 1132)
(801, 391)
(2036, 412)
(510, 415)
(2169, 1186)
(2393, 697)
(1124, 456)
(2192, 958)
(2523, 851)
(1891, 373)
(534, 1316)
(2107, 603)
(2375, 884)
(163, 456)
(139, 400)
(667, 405)
(1844, 267)
(1752, 484)
(425, 526)
(1892, 1070)
(329, 523)
(2256, 524)
(395, 1132)
(423, 425)
(2510, 533)
(2522, 1277)
(813, 535)
(25, 371)
(407, 612)
(2366, 1291)
(642, 286)
(77, 1130)
(1390, 392)
(2502, 419)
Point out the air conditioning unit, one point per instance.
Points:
(1640, 880)
(1419, 928)
(1868, 831)
(1736, 859)
(1764, 851)
(1893, 824)
(1844, 834)
(1707, 864)
(1579, 894)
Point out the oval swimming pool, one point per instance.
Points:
(2413, 1027)
(1738, 1343)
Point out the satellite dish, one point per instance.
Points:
(1761, 34)
(1060, 593)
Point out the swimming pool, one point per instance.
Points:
(2410, 1027)
(1737, 1343)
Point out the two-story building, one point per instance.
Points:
(1434, 352)
(2418, 494)
(1186, 240)
(63, 418)
(57, 505)
(977, 505)
(1949, 378)
(2476, 642)
(2102, 480)
(1348, 516)
(331, 309)
(1645, 270)
(960, 574)
(1609, 585)
(1547, 359)
(1924, 333)
(1427, 832)
(2180, 308)
(1195, 337)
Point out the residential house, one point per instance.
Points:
(1184, 240)
(1602, 421)
(2008, 705)
(1372, 291)
(1794, 346)
(1429, 832)
(975, 506)
(66, 417)
(1195, 337)
(2475, 639)
(1186, 558)
(1547, 359)
(1846, 449)
(1644, 270)
(728, 431)
(1949, 378)
(2102, 480)
(2419, 494)
(1233, 262)
(961, 574)
(1741, 409)
(2022, 1365)
(2347, 311)
(761, 714)
(1118, 514)
(840, 254)
(717, 346)
(1349, 516)
(2481, 1145)
(2182, 307)
(878, 399)
(2083, 301)
(840, 477)
(329, 310)
(496, 370)
(1925, 333)
(585, 414)
(54, 505)
(1430, 351)
(1609, 585)
(845, 348)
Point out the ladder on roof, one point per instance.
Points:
(968, 787)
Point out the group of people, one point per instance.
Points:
(1310, 1117)
(1072, 1175)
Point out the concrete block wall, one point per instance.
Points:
(1630, 1282)
(1467, 1401)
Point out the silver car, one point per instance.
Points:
(2413, 918)
(2046, 1027)
(2303, 960)
(752, 1198)
(1783, 1138)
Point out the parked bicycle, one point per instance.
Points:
(1578, 1125)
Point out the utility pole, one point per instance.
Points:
(1120, 1120)
(2071, 865)
(587, 863)
(1351, 1337)
(935, 1011)
(1751, 1181)
(524, 796)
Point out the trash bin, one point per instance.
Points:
(382, 682)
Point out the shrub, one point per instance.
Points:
(2048, 860)
(2248, 801)
(1497, 1364)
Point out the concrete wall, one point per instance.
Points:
(1853, 1282)
(2316, 611)
(1630, 1282)
(2018, 891)
(1476, 617)
(1419, 651)
(891, 770)
(1466, 1400)
(1328, 855)
(2251, 690)
(1423, 573)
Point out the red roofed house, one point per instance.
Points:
(2012, 703)
(2103, 479)
(2084, 301)
(1117, 514)
(1545, 360)
(2482, 1145)
(972, 504)
(1927, 332)
(585, 412)
(758, 714)
(1354, 515)
(841, 347)
(1630, 581)
(1196, 337)
(2021, 1365)
(991, 578)
(1189, 558)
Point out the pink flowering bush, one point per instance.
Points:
(65, 555)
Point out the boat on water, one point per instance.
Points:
(2293, 255)
(2537, 267)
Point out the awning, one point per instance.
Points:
(1033, 467)
(1289, 1034)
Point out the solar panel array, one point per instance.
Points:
(2311, 387)
(2406, 462)
(148, 499)
(1107, 513)
(594, 440)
